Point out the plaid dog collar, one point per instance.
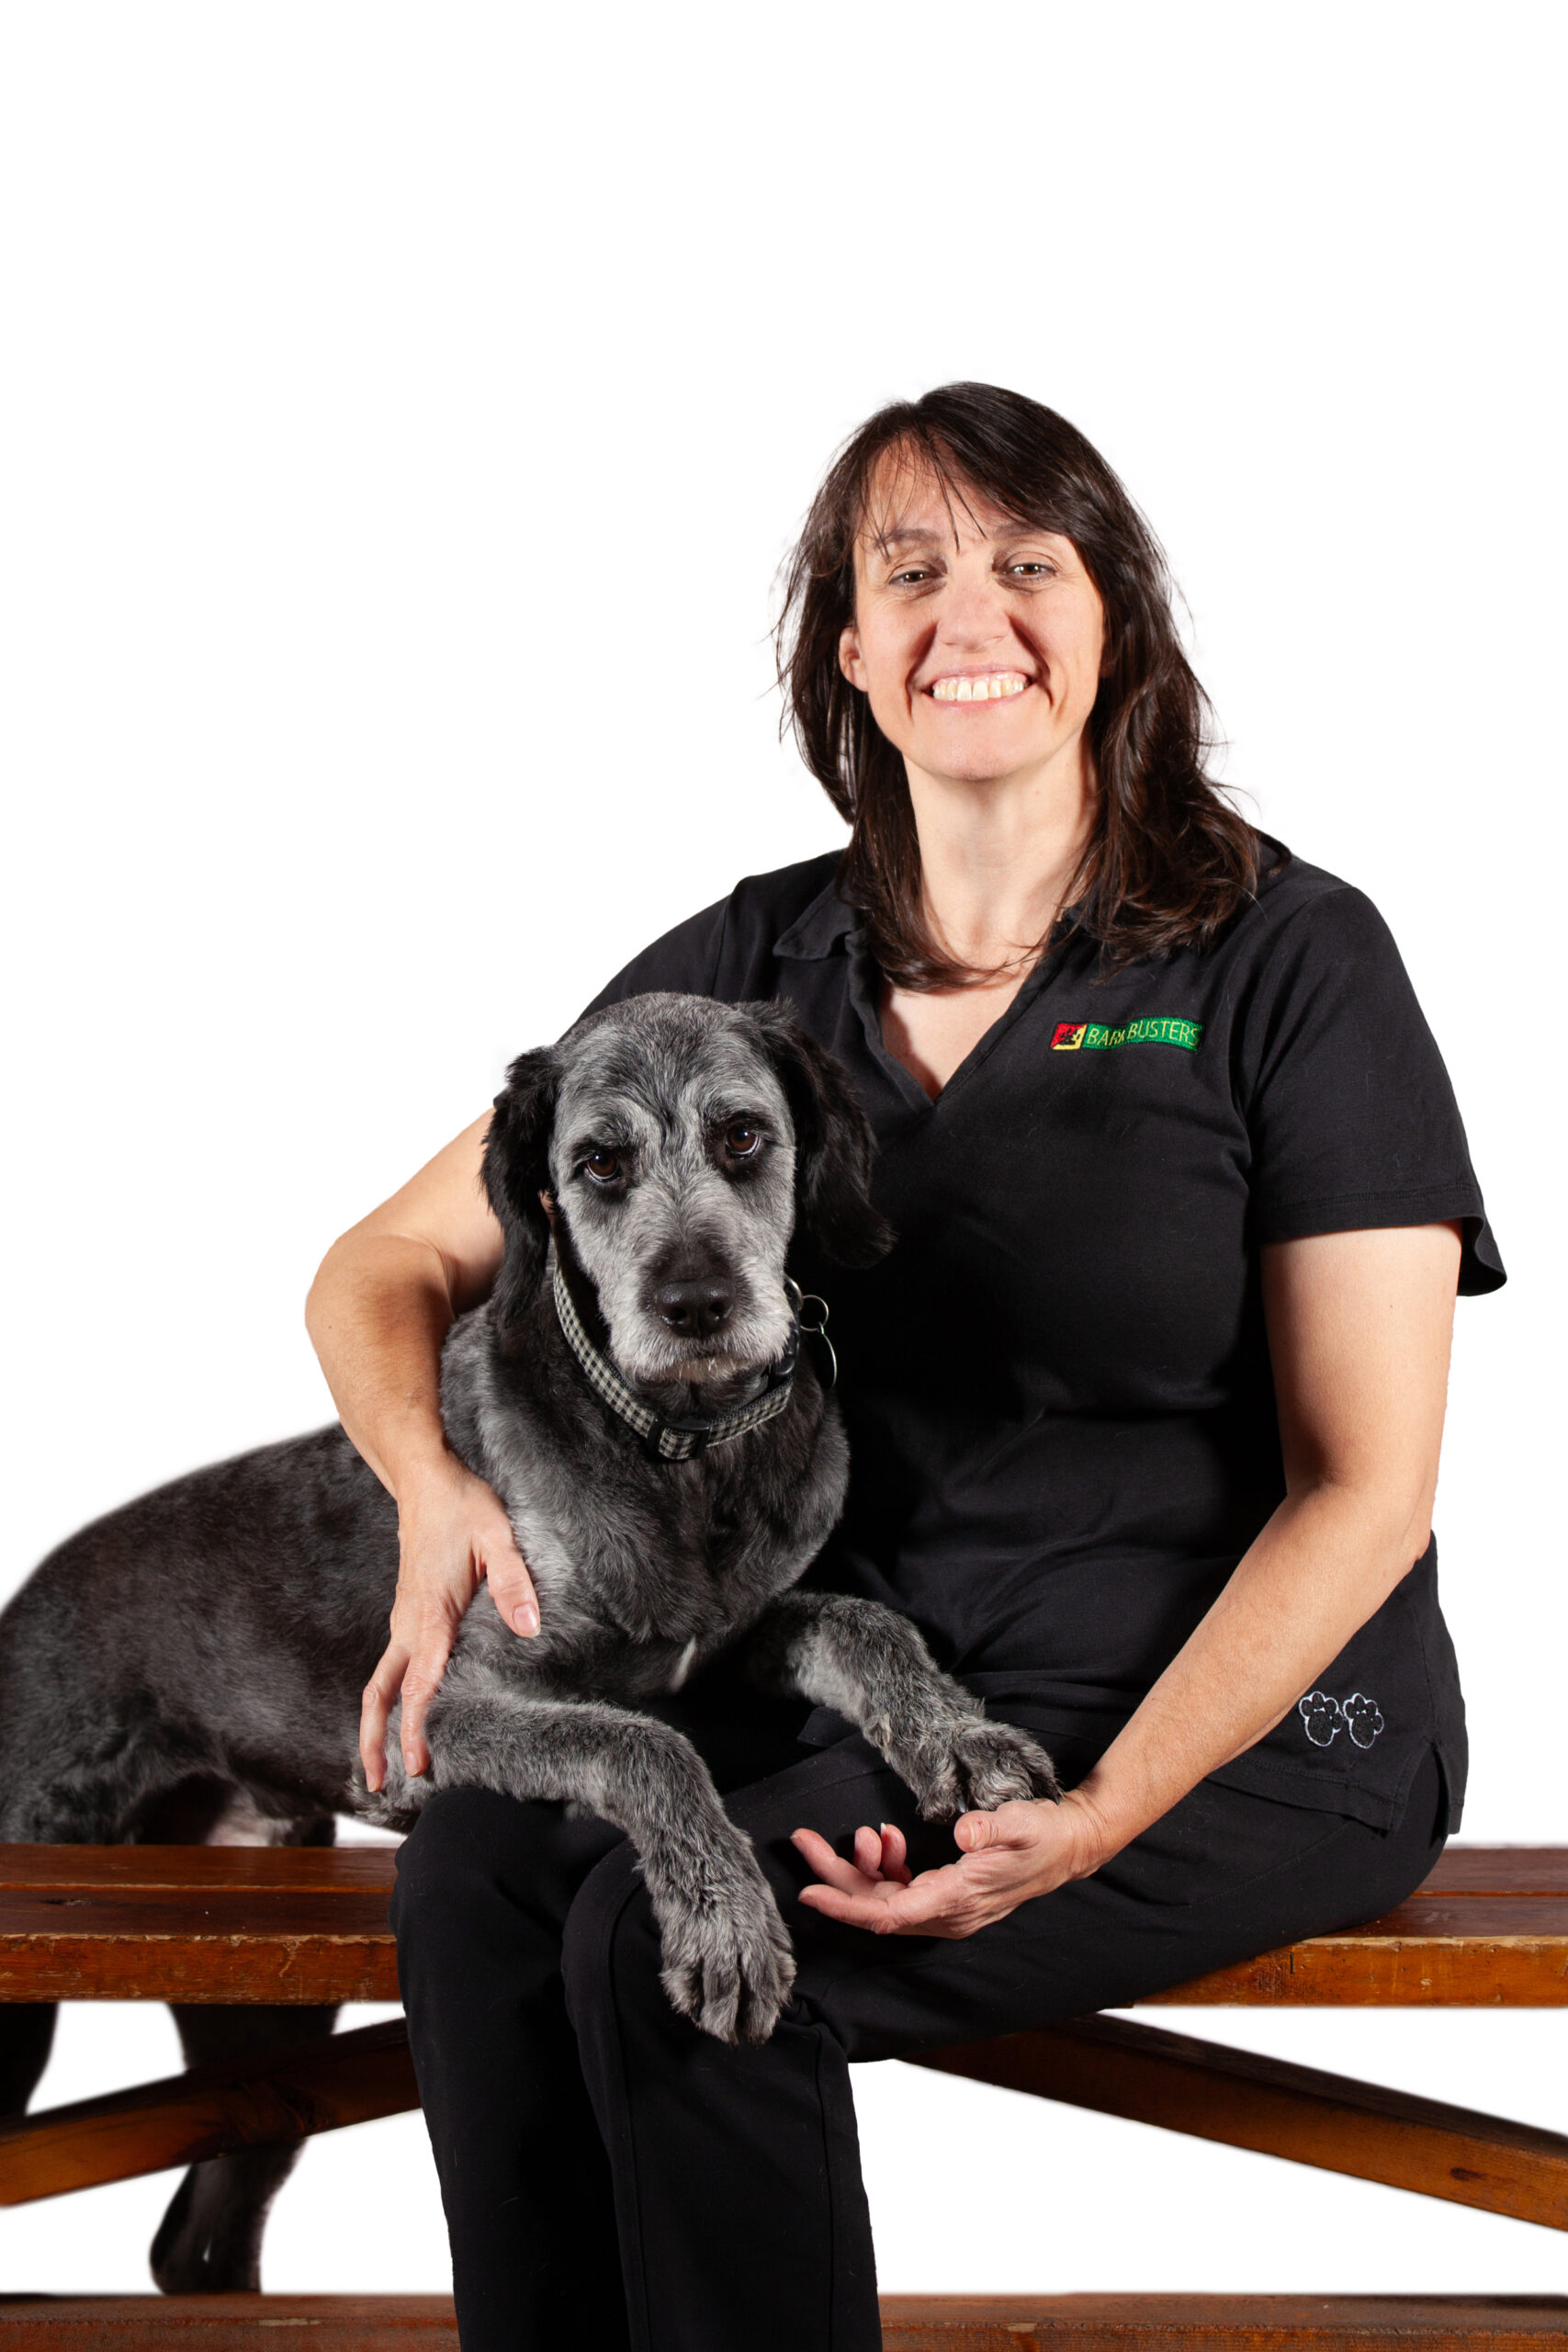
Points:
(674, 1440)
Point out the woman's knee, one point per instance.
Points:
(611, 1957)
(473, 1852)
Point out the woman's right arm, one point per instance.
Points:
(383, 1302)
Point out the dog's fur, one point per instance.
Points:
(207, 1646)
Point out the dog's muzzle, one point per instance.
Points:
(679, 1440)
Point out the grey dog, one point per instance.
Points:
(670, 1464)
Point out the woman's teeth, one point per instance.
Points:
(993, 689)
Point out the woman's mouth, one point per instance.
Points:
(995, 685)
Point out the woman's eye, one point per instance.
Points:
(603, 1166)
(742, 1142)
(1034, 571)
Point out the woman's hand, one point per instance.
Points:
(452, 1534)
(1009, 1856)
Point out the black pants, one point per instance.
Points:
(613, 2177)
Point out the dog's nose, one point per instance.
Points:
(695, 1309)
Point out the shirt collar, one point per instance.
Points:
(825, 925)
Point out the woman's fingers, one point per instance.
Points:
(938, 1902)
(1009, 1855)
(827, 1864)
(452, 1533)
(878, 1855)
(895, 1853)
(421, 1680)
(380, 1692)
(1022, 1823)
(511, 1585)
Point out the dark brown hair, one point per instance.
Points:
(1168, 860)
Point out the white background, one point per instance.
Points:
(405, 414)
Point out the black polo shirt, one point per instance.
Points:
(1057, 1387)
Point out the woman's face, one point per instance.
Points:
(977, 638)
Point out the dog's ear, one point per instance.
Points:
(833, 1144)
(517, 1168)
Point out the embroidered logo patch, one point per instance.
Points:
(1088, 1037)
(1325, 1718)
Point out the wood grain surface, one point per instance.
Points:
(151, 1869)
(1500, 1870)
(204, 1922)
(197, 1923)
(228, 2324)
(1220, 2323)
(910, 2323)
(1376, 1969)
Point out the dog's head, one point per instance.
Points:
(680, 1142)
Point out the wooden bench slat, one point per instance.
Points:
(199, 1968)
(1490, 1929)
(197, 1923)
(279, 2095)
(1277, 2108)
(150, 1869)
(909, 2323)
(258, 1913)
(1366, 1972)
(1461, 1870)
(1220, 2323)
(228, 2323)
(1492, 1915)
(1500, 1870)
(326, 1972)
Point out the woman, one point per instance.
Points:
(1145, 1412)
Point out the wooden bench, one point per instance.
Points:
(1488, 1930)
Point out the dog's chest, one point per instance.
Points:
(673, 1576)
(644, 1568)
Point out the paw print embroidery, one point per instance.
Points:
(1321, 1715)
(1363, 1718)
(1325, 1718)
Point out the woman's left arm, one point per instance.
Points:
(1359, 1327)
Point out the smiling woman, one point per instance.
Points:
(1144, 1409)
(974, 547)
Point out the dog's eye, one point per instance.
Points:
(603, 1166)
(742, 1142)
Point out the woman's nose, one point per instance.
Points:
(973, 614)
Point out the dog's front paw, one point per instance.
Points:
(975, 1766)
(727, 1962)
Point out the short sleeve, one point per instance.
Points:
(684, 962)
(1350, 1115)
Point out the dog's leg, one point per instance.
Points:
(209, 2241)
(871, 1665)
(27, 2035)
(727, 1962)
